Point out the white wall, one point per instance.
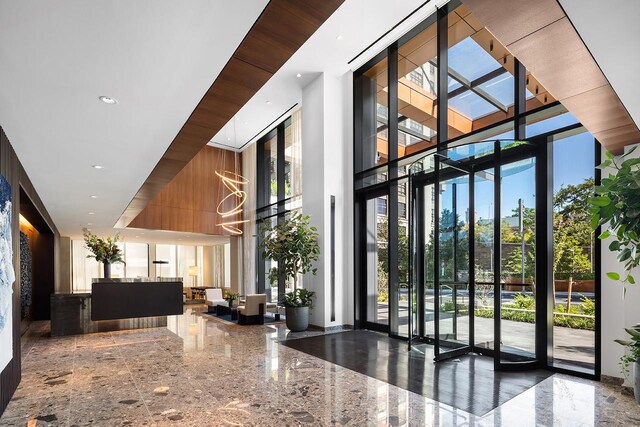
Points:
(327, 159)
(618, 311)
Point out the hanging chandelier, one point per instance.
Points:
(234, 183)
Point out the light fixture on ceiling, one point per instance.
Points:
(339, 37)
(298, 75)
(93, 196)
(268, 102)
(108, 100)
(97, 166)
(92, 213)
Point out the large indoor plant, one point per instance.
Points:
(293, 244)
(297, 304)
(632, 356)
(104, 250)
(617, 206)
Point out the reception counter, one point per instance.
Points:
(116, 304)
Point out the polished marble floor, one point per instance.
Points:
(203, 371)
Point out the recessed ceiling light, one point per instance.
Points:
(97, 166)
(298, 75)
(339, 37)
(92, 213)
(108, 100)
(93, 196)
(268, 102)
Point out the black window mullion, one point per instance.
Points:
(520, 100)
(392, 208)
(443, 73)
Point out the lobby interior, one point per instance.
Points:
(461, 277)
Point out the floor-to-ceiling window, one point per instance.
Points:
(279, 191)
(502, 245)
(84, 269)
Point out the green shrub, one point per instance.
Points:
(526, 302)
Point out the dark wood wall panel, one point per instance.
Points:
(189, 202)
(278, 33)
(11, 168)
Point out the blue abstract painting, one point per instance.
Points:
(7, 274)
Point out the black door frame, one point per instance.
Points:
(360, 224)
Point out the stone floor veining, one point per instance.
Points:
(203, 371)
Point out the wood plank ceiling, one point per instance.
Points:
(541, 36)
(279, 32)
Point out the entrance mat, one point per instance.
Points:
(468, 383)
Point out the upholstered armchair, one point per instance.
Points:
(252, 312)
(214, 298)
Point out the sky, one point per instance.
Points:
(573, 163)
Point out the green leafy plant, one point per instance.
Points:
(293, 244)
(103, 250)
(299, 298)
(617, 204)
(524, 301)
(632, 348)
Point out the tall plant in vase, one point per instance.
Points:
(617, 206)
(104, 250)
(293, 244)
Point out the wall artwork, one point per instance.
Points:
(7, 274)
(26, 273)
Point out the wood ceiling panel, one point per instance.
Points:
(565, 68)
(282, 28)
(599, 108)
(540, 35)
(618, 138)
(511, 20)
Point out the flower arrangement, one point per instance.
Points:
(103, 250)
(230, 296)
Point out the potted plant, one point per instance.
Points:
(105, 251)
(632, 355)
(293, 244)
(617, 205)
(297, 305)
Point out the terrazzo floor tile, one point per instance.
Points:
(204, 371)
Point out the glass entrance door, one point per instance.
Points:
(442, 202)
(474, 253)
(451, 296)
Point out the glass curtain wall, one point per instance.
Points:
(470, 247)
(279, 191)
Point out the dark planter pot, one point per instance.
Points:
(107, 270)
(636, 380)
(297, 318)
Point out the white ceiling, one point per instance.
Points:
(359, 22)
(156, 57)
(611, 32)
